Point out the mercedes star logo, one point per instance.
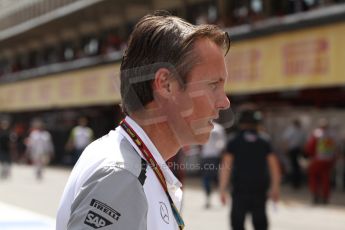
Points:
(164, 212)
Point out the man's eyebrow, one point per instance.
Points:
(216, 80)
(221, 79)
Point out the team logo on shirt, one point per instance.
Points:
(250, 137)
(164, 212)
(96, 221)
(105, 208)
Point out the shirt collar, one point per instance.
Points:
(169, 176)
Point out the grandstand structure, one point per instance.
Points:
(59, 59)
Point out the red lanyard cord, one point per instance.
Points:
(155, 167)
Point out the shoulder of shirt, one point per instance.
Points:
(113, 151)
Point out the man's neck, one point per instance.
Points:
(161, 136)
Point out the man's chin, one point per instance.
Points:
(202, 138)
(203, 131)
(195, 136)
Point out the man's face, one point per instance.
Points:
(195, 108)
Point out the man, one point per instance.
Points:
(5, 149)
(80, 137)
(294, 140)
(172, 87)
(342, 155)
(322, 149)
(210, 157)
(39, 147)
(254, 169)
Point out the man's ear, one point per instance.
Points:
(162, 82)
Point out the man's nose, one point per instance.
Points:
(224, 102)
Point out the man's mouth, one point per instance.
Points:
(210, 122)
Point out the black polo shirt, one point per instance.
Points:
(250, 173)
(4, 141)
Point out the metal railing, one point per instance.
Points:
(37, 12)
(62, 67)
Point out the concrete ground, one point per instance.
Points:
(26, 203)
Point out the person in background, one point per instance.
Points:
(210, 159)
(5, 149)
(80, 137)
(321, 149)
(19, 136)
(294, 139)
(342, 151)
(39, 147)
(254, 170)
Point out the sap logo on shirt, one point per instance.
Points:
(96, 221)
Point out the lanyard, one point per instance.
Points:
(155, 167)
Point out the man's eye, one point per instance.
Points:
(214, 85)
